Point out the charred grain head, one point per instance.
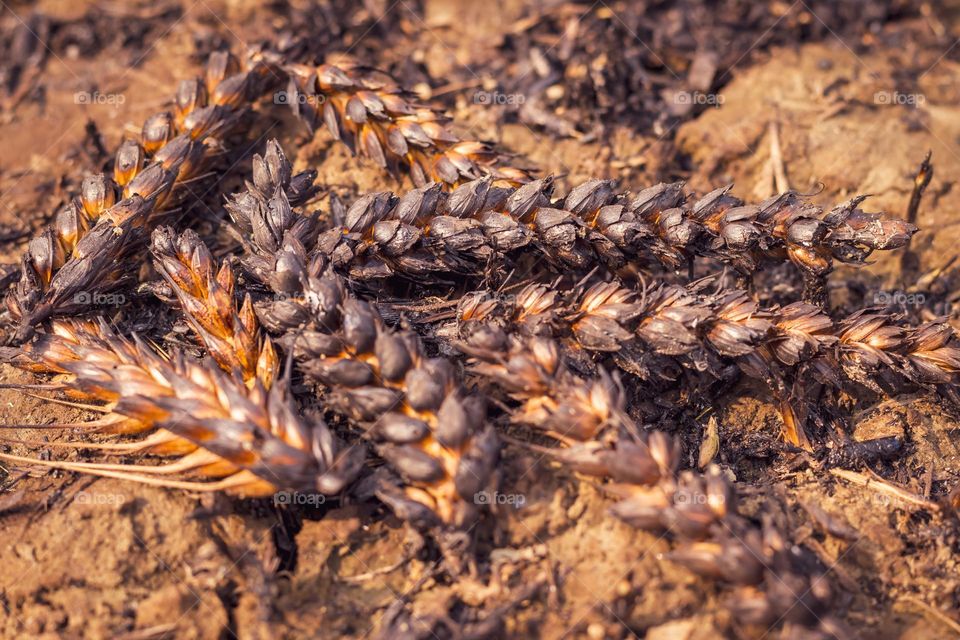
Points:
(221, 433)
(430, 430)
(94, 239)
(426, 231)
(228, 329)
(378, 119)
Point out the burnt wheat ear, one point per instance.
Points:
(426, 230)
(774, 583)
(429, 429)
(263, 216)
(426, 426)
(655, 333)
(225, 435)
(93, 240)
(368, 110)
(207, 298)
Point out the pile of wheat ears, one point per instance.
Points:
(602, 315)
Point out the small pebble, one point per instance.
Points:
(423, 90)
(33, 625)
(576, 509)
(24, 551)
(596, 631)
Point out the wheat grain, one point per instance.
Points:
(774, 583)
(645, 330)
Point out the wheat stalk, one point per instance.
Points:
(263, 215)
(646, 329)
(428, 428)
(207, 298)
(432, 432)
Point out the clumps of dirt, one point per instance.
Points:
(846, 124)
(577, 69)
